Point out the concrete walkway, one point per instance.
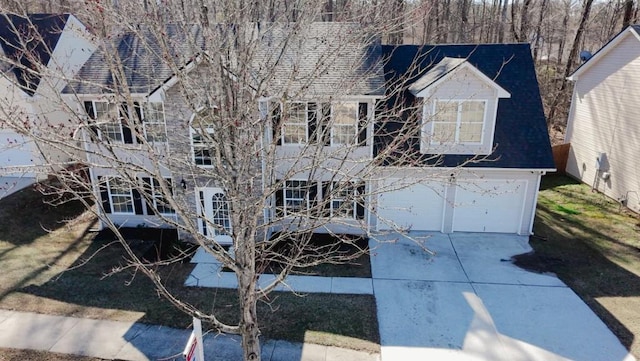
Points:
(113, 340)
(469, 302)
(208, 272)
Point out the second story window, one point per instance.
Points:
(202, 137)
(117, 123)
(331, 124)
(153, 122)
(294, 124)
(458, 121)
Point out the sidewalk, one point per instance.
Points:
(139, 342)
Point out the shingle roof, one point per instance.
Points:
(521, 138)
(312, 66)
(30, 41)
(142, 57)
(444, 67)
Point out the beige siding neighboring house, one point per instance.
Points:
(603, 126)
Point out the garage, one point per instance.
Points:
(411, 206)
(489, 206)
(15, 151)
(478, 205)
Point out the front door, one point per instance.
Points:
(215, 215)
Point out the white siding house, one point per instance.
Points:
(603, 126)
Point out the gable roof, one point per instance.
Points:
(521, 139)
(631, 30)
(145, 70)
(141, 56)
(38, 34)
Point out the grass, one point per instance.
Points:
(593, 245)
(10, 354)
(59, 268)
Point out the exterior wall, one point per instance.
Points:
(451, 178)
(604, 119)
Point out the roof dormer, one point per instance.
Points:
(459, 107)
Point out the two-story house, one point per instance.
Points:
(441, 138)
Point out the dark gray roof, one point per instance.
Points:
(521, 138)
(316, 61)
(29, 41)
(142, 56)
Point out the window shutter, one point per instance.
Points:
(202, 221)
(312, 109)
(148, 190)
(126, 122)
(325, 122)
(104, 195)
(88, 108)
(280, 200)
(313, 199)
(137, 121)
(137, 201)
(275, 115)
(360, 199)
(326, 199)
(363, 121)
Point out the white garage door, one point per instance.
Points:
(14, 151)
(416, 207)
(489, 206)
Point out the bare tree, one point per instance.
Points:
(183, 117)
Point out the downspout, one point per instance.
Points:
(533, 214)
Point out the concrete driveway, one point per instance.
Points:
(469, 302)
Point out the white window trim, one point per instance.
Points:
(155, 195)
(101, 122)
(334, 125)
(192, 132)
(285, 210)
(332, 197)
(456, 141)
(228, 230)
(286, 117)
(146, 122)
(111, 195)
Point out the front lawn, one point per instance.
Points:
(53, 267)
(593, 245)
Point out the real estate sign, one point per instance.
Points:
(194, 350)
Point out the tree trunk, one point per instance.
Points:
(248, 297)
(536, 43)
(628, 13)
(249, 323)
(572, 55)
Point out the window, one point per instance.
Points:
(154, 123)
(294, 125)
(327, 123)
(117, 123)
(457, 121)
(220, 216)
(120, 196)
(343, 199)
(202, 137)
(159, 202)
(344, 129)
(293, 197)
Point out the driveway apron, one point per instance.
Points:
(469, 302)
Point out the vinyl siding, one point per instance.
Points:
(605, 118)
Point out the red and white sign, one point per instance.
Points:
(194, 351)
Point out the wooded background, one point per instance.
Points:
(558, 30)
